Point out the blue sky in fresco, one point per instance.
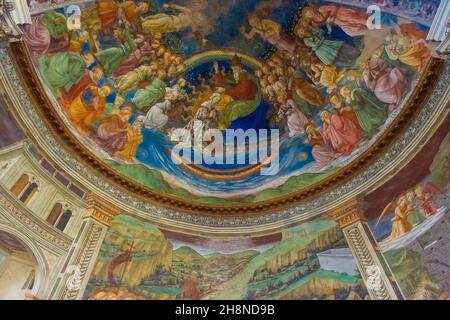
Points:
(226, 30)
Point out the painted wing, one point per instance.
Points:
(387, 210)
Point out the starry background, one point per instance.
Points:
(225, 31)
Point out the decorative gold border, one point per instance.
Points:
(63, 135)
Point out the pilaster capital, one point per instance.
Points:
(100, 210)
(348, 213)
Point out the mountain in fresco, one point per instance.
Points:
(132, 252)
(188, 255)
(291, 270)
(137, 261)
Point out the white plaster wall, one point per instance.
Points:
(13, 276)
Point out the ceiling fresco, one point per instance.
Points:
(311, 80)
(225, 150)
(410, 219)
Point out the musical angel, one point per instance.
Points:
(404, 208)
(400, 224)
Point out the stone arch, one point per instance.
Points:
(41, 264)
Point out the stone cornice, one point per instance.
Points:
(348, 213)
(100, 210)
(393, 159)
(44, 233)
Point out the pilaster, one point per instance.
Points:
(80, 261)
(374, 271)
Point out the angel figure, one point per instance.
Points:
(327, 75)
(352, 21)
(424, 194)
(407, 48)
(400, 224)
(188, 17)
(271, 31)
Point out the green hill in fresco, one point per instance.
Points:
(150, 252)
(187, 255)
(289, 261)
(155, 180)
(440, 167)
(413, 278)
(288, 270)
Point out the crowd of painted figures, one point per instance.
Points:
(338, 90)
(113, 76)
(106, 74)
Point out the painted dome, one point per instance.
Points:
(206, 149)
(249, 105)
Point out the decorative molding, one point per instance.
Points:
(443, 49)
(439, 27)
(350, 219)
(39, 228)
(369, 268)
(101, 210)
(66, 137)
(348, 213)
(21, 13)
(36, 250)
(39, 7)
(86, 258)
(396, 155)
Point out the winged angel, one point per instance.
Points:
(192, 16)
(406, 213)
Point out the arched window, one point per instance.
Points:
(64, 220)
(28, 194)
(55, 213)
(20, 185)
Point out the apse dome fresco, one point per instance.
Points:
(224, 150)
(304, 88)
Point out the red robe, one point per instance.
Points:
(427, 205)
(219, 79)
(342, 133)
(245, 90)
